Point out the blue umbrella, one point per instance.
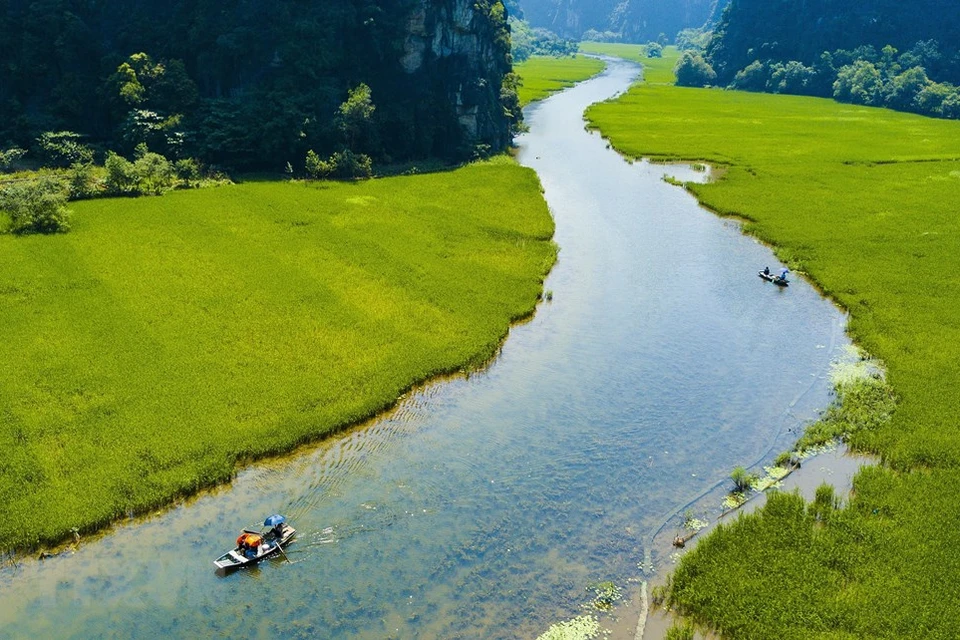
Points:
(274, 520)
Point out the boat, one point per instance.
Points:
(254, 546)
(777, 280)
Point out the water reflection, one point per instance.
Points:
(483, 506)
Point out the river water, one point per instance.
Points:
(484, 506)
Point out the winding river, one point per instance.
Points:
(484, 506)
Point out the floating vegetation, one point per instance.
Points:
(742, 480)
(693, 523)
(607, 595)
(734, 500)
(583, 627)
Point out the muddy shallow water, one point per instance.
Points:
(483, 506)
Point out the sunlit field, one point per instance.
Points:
(655, 70)
(543, 75)
(164, 341)
(863, 201)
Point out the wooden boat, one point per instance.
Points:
(254, 546)
(777, 280)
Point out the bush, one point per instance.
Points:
(154, 173)
(343, 164)
(121, 176)
(187, 171)
(654, 50)
(37, 206)
(82, 183)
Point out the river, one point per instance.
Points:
(484, 506)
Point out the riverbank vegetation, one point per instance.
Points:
(541, 75)
(166, 340)
(861, 200)
(656, 70)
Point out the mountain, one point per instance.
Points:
(634, 20)
(784, 30)
(255, 83)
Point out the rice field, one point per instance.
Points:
(165, 341)
(864, 202)
(655, 70)
(543, 75)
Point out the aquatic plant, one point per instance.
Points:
(742, 479)
(606, 594)
(583, 627)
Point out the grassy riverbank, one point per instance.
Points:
(166, 340)
(543, 75)
(863, 201)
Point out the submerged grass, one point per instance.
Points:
(864, 201)
(543, 75)
(166, 340)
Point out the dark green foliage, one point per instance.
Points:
(654, 50)
(9, 156)
(254, 83)
(693, 71)
(830, 49)
(36, 206)
(616, 20)
(63, 148)
(342, 165)
(527, 41)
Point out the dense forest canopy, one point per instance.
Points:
(257, 82)
(628, 20)
(784, 30)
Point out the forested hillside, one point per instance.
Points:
(256, 83)
(628, 20)
(786, 30)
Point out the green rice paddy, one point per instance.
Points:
(655, 70)
(165, 341)
(543, 75)
(864, 202)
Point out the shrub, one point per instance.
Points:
(654, 50)
(154, 173)
(343, 164)
(753, 77)
(81, 181)
(187, 171)
(121, 176)
(37, 206)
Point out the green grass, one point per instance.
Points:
(864, 201)
(164, 341)
(544, 75)
(655, 70)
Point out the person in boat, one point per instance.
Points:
(783, 274)
(766, 271)
(277, 530)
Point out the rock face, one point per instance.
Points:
(266, 76)
(464, 45)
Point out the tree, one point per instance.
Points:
(859, 83)
(792, 78)
(753, 77)
(693, 71)
(654, 50)
(64, 148)
(902, 90)
(355, 115)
